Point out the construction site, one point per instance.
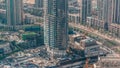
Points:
(91, 53)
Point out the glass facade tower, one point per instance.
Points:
(39, 3)
(14, 12)
(56, 24)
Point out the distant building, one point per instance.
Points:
(29, 19)
(75, 18)
(85, 9)
(56, 24)
(116, 11)
(105, 9)
(115, 30)
(109, 12)
(95, 23)
(39, 3)
(14, 12)
(74, 11)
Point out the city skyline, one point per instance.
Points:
(60, 33)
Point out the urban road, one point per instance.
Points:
(96, 32)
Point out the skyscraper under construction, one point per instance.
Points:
(56, 24)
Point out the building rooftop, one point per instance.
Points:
(3, 44)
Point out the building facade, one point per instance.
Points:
(39, 3)
(95, 23)
(56, 24)
(14, 12)
(116, 11)
(85, 9)
(114, 29)
(109, 11)
(105, 10)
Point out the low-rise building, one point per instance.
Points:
(88, 45)
(115, 30)
(5, 48)
(95, 23)
(75, 18)
(29, 19)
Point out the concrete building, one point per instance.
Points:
(116, 11)
(85, 9)
(105, 10)
(115, 30)
(14, 12)
(29, 19)
(109, 11)
(39, 3)
(56, 24)
(74, 18)
(95, 23)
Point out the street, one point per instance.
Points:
(96, 32)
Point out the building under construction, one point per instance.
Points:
(84, 53)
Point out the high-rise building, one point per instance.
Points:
(109, 11)
(85, 9)
(39, 3)
(56, 24)
(14, 12)
(116, 11)
(105, 10)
